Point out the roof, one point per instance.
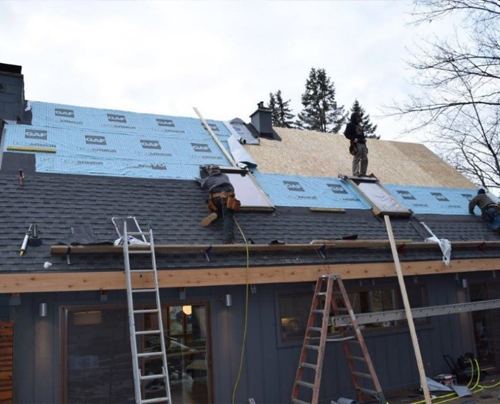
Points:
(57, 197)
(57, 202)
(317, 154)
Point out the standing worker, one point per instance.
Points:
(221, 201)
(355, 133)
(490, 211)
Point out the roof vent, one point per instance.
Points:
(262, 121)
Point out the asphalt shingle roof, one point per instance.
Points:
(56, 202)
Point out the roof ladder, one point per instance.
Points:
(139, 354)
(312, 353)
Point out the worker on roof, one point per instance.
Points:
(490, 211)
(355, 133)
(221, 201)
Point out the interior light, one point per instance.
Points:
(87, 318)
(187, 310)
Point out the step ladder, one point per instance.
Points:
(331, 298)
(138, 352)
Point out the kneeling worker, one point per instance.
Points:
(221, 201)
(490, 211)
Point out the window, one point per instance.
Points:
(97, 361)
(294, 307)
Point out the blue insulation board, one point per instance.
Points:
(313, 192)
(429, 200)
(108, 142)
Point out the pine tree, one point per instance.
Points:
(280, 111)
(368, 127)
(321, 111)
(274, 110)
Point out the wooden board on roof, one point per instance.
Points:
(317, 154)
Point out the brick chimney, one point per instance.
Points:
(12, 103)
(261, 120)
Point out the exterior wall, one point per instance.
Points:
(269, 367)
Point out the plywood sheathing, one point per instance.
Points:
(317, 154)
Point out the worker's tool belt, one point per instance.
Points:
(227, 198)
(494, 206)
(353, 148)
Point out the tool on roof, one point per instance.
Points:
(330, 297)
(21, 177)
(31, 238)
(139, 353)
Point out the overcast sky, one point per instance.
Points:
(222, 57)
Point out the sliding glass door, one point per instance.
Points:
(96, 359)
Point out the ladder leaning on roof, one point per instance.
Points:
(325, 303)
(137, 353)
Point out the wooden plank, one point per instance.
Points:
(409, 316)
(115, 280)
(225, 248)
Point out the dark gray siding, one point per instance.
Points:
(269, 368)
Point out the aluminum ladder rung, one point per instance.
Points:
(153, 377)
(138, 233)
(156, 400)
(148, 332)
(138, 351)
(315, 347)
(318, 329)
(361, 374)
(143, 290)
(368, 391)
(305, 384)
(149, 354)
(308, 365)
(318, 311)
(295, 401)
(145, 311)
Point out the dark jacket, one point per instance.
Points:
(217, 180)
(354, 130)
(481, 200)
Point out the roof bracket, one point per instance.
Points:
(480, 247)
(401, 249)
(68, 251)
(322, 251)
(207, 253)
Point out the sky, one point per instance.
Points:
(222, 57)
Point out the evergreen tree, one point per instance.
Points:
(321, 111)
(280, 111)
(368, 127)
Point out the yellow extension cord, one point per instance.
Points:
(474, 389)
(245, 328)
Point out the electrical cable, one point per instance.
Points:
(245, 328)
(454, 395)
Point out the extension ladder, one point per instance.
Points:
(329, 289)
(138, 353)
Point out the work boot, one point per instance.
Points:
(209, 219)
